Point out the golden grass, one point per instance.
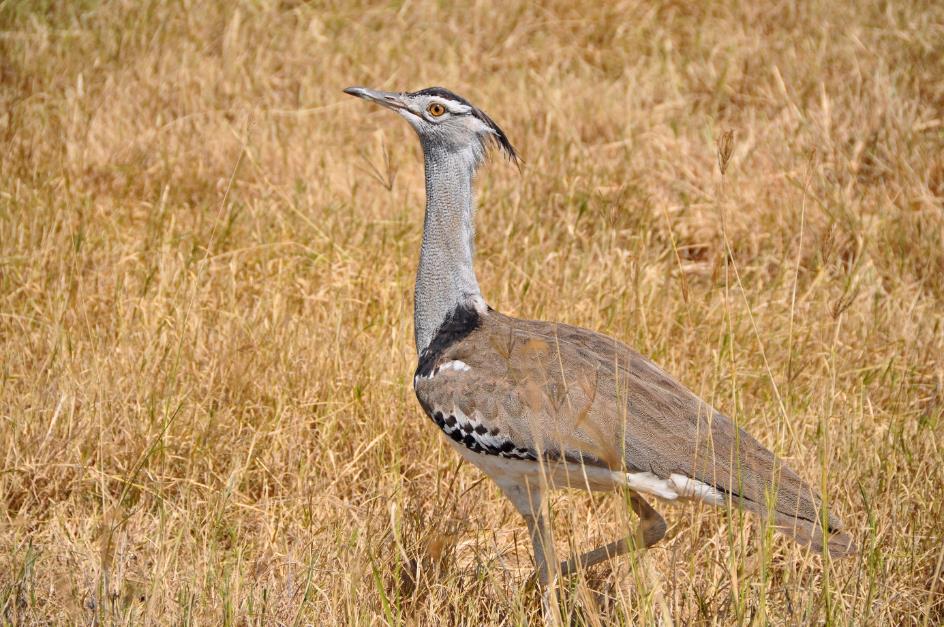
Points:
(206, 265)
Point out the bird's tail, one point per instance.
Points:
(797, 513)
(837, 542)
(758, 481)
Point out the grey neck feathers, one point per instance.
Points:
(445, 277)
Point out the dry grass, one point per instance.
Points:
(206, 264)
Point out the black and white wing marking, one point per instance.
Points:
(476, 437)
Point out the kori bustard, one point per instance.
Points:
(540, 405)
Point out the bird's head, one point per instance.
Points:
(443, 120)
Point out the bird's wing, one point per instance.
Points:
(539, 388)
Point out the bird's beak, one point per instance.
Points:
(388, 99)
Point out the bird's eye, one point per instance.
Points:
(436, 109)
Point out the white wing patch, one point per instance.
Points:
(455, 364)
(689, 488)
(677, 486)
(650, 484)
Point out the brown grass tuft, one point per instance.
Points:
(206, 263)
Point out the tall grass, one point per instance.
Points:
(206, 264)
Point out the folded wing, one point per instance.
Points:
(540, 388)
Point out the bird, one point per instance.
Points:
(539, 406)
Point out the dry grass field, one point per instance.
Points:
(207, 255)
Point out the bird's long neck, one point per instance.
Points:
(445, 277)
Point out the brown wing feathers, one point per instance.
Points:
(578, 395)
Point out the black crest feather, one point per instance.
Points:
(497, 133)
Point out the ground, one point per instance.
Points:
(206, 261)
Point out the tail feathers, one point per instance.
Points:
(837, 542)
(797, 514)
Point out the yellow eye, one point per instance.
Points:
(436, 109)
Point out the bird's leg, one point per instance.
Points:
(651, 527)
(597, 555)
(545, 556)
(545, 559)
(650, 530)
(528, 499)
